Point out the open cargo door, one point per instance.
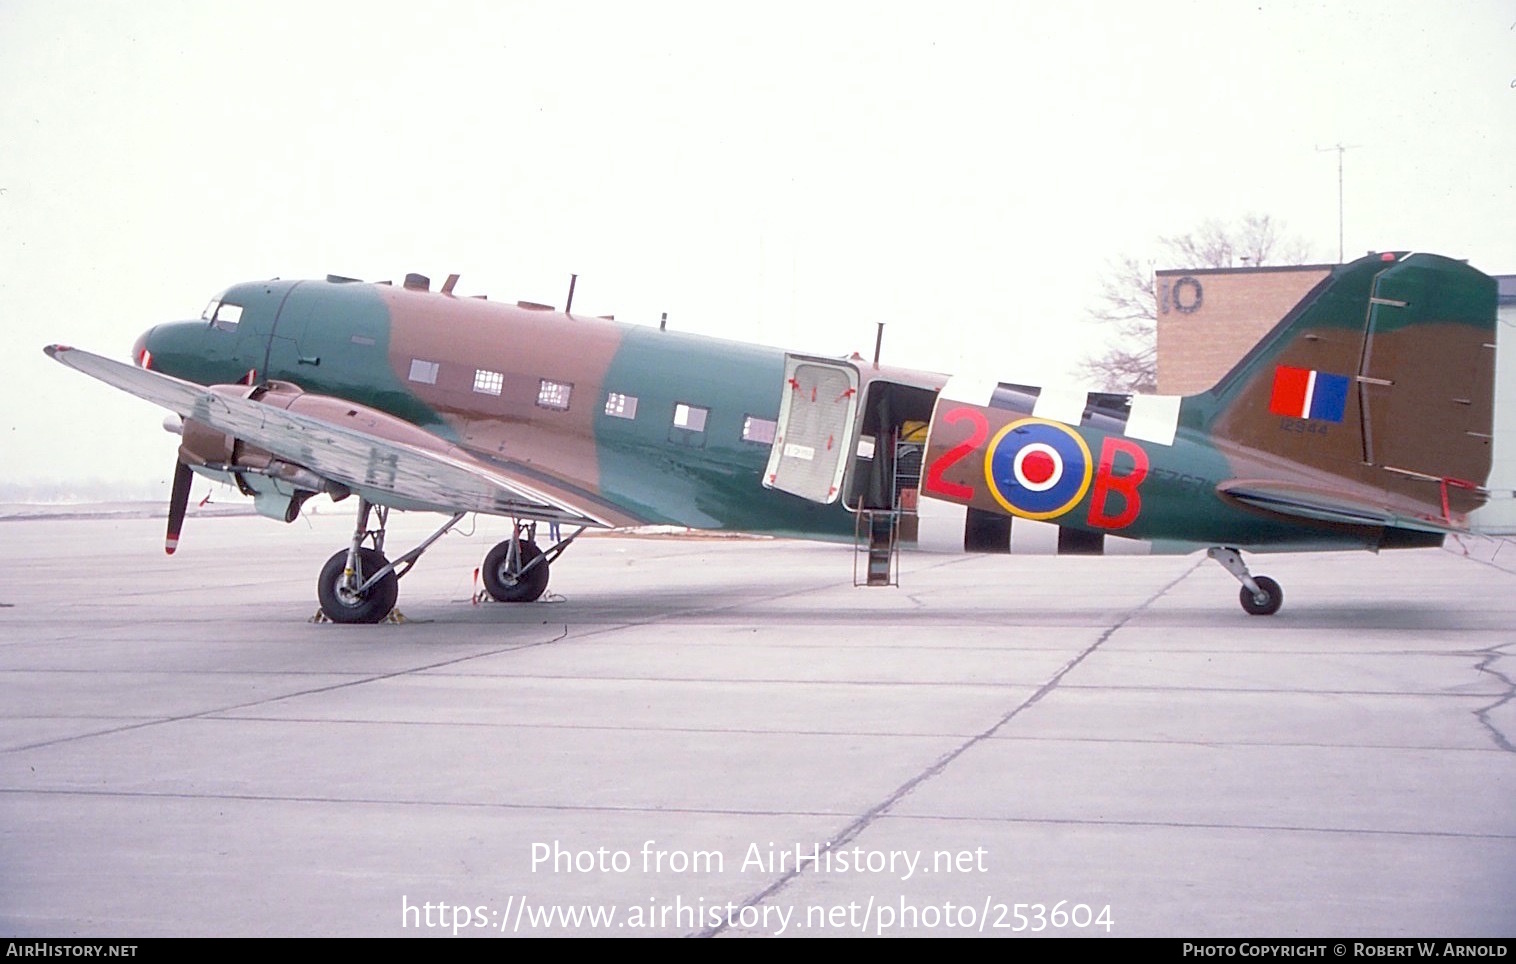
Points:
(817, 424)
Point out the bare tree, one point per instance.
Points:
(1129, 306)
(1252, 241)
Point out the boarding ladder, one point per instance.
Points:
(876, 531)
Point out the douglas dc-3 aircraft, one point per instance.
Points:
(1361, 421)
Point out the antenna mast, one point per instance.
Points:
(1341, 149)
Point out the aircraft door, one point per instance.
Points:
(288, 357)
(817, 428)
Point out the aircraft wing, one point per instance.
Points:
(384, 471)
(1325, 505)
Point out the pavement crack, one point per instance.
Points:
(866, 819)
(1483, 714)
(217, 710)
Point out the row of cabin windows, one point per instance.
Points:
(555, 396)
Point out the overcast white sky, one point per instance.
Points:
(785, 173)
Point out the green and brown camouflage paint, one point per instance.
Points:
(1415, 333)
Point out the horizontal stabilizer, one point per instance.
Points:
(1326, 505)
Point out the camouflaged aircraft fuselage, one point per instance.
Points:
(641, 425)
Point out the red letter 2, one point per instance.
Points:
(980, 430)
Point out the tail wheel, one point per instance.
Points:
(343, 605)
(1273, 597)
(518, 583)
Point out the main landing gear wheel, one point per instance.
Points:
(351, 598)
(1268, 599)
(515, 580)
(340, 601)
(1260, 596)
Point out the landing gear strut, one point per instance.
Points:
(358, 584)
(1260, 595)
(516, 570)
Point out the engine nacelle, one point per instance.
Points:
(278, 488)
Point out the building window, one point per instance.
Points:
(487, 382)
(621, 406)
(424, 371)
(554, 395)
(690, 417)
(755, 429)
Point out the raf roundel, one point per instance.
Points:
(1037, 469)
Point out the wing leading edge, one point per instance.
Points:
(383, 471)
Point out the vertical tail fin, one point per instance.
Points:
(1381, 377)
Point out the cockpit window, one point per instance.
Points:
(222, 315)
(227, 317)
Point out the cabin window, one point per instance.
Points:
(554, 395)
(487, 382)
(424, 372)
(621, 406)
(755, 429)
(690, 417)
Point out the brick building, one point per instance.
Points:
(1208, 317)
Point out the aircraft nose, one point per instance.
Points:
(142, 356)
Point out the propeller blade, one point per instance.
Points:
(176, 504)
